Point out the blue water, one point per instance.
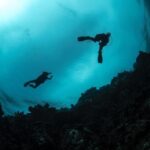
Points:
(42, 37)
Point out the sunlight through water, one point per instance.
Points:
(11, 9)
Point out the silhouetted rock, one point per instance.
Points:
(114, 117)
(1, 112)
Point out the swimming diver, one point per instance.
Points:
(103, 40)
(39, 80)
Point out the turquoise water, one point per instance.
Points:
(42, 36)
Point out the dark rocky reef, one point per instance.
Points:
(114, 117)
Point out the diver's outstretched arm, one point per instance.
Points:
(83, 38)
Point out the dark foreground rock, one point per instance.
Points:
(114, 117)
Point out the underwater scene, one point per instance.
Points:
(74, 75)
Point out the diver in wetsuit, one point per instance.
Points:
(41, 79)
(103, 40)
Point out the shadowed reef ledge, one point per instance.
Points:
(114, 117)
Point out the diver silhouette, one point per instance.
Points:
(39, 80)
(103, 40)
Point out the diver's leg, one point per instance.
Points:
(35, 85)
(83, 38)
(28, 83)
(100, 57)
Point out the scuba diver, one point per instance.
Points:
(103, 40)
(39, 80)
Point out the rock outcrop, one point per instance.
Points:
(114, 117)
